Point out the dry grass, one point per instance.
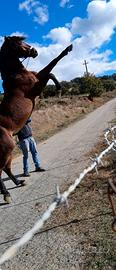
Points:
(89, 217)
(53, 114)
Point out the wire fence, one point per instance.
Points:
(60, 198)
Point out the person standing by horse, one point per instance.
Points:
(27, 144)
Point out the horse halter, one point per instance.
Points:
(32, 50)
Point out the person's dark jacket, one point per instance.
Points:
(25, 132)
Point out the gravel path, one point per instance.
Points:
(63, 156)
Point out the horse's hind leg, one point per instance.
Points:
(43, 81)
(6, 147)
(8, 171)
(52, 77)
(4, 191)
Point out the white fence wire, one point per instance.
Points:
(60, 198)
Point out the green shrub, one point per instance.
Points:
(91, 85)
(109, 84)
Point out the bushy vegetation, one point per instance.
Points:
(87, 85)
(109, 84)
(91, 85)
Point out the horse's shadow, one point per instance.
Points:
(2, 204)
(7, 178)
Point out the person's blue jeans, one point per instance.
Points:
(29, 145)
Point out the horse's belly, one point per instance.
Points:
(21, 112)
(25, 80)
(14, 114)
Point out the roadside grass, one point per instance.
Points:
(89, 217)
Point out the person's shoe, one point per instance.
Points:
(39, 169)
(26, 174)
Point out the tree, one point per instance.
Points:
(109, 84)
(113, 76)
(49, 91)
(91, 85)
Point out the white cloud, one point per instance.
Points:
(70, 6)
(100, 24)
(27, 5)
(39, 11)
(64, 2)
(88, 34)
(41, 15)
(60, 35)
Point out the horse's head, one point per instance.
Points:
(17, 47)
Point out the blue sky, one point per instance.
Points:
(53, 24)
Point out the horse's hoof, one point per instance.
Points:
(67, 50)
(21, 183)
(70, 48)
(7, 198)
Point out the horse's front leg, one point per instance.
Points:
(45, 71)
(8, 171)
(13, 177)
(4, 191)
(45, 74)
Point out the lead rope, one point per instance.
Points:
(27, 61)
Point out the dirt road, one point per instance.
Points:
(63, 156)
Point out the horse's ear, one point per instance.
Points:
(6, 38)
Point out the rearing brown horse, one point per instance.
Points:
(21, 87)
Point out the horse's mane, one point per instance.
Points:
(16, 38)
(8, 38)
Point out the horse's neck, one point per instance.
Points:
(10, 67)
